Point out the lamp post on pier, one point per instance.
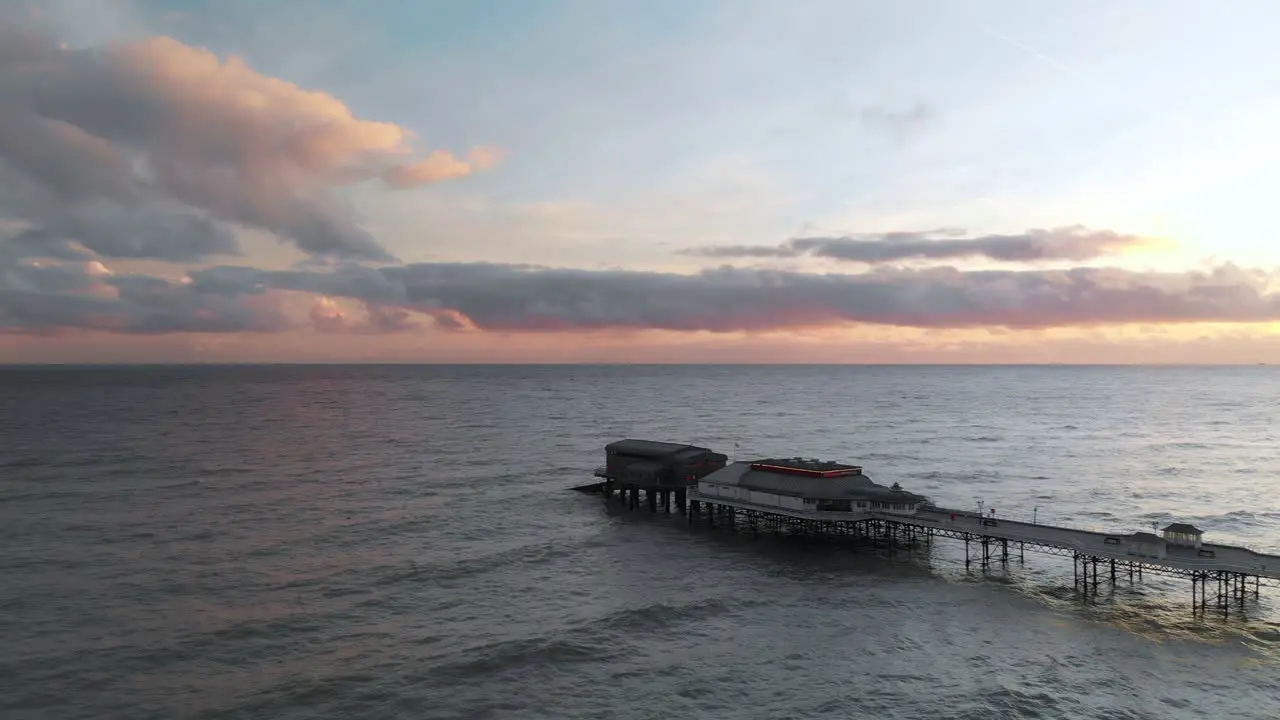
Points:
(1034, 511)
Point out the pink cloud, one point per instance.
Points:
(439, 166)
(89, 137)
(328, 316)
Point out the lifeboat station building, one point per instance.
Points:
(806, 486)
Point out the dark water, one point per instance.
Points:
(365, 542)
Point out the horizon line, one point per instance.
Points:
(427, 363)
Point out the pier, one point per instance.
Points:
(819, 498)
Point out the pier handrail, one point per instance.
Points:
(1068, 525)
(1110, 532)
(1003, 530)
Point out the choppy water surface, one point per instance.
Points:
(317, 542)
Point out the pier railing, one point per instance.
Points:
(1003, 532)
(1093, 529)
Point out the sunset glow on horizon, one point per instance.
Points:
(553, 181)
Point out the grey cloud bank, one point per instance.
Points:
(1073, 243)
(508, 298)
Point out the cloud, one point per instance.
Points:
(507, 298)
(441, 165)
(149, 148)
(327, 316)
(47, 299)
(898, 123)
(483, 297)
(1075, 243)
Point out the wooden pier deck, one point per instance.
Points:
(965, 524)
(1236, 572)
(1209, 557)
(1178, 559)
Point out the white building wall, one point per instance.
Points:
(1145, 549)
(767, 499)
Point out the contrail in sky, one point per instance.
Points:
(1027, 50)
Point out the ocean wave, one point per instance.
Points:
(480, 564)
(662, 614)
(595, 639)
(504, 657)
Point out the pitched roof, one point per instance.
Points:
(1183, 528)
(1146, 537)
(649, 448)
(859, 487)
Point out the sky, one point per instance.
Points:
(730, 181)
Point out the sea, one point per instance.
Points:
(403, 542)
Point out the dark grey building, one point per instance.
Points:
(647, 463)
